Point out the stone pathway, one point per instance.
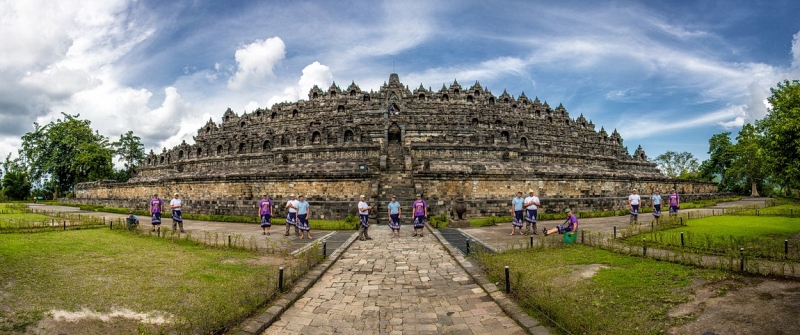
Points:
(406, 285)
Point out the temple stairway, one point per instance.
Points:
(399, 184)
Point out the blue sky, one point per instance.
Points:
(666, 74)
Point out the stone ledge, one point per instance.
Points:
(256, 324)
(501, 299)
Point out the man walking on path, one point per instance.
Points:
(516, 212)
(177, 219)
(265, 211)
(291, 217)
(656, 199)
(674, 202)
(394, 216)
(156, 206)
(633, 203)
(303, 212)
(531, 212)
(420, 213)
(363, 215)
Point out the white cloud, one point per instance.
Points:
(313, 74)
(796, 51)
(255, 62)
(251, 106)
(644, 127)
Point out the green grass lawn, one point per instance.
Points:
(630, 295)
(192, 286)
(760, 236)
(791, 210)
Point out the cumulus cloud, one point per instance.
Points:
(313, 74)
(255, 62)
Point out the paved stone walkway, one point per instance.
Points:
(406, 285)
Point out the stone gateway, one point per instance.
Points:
(339, 144)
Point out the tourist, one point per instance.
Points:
(420, 213)
(363, 215)
(656, 199)
(177, 219)
(291, 217)
(265, 212)
(131, 221)
(156, 206)
(570, 225)
(674, 202)
(516, 211)
(633, 205)
(303, 212)
(531, 213)
(394, 216)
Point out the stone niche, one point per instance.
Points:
(341, 143)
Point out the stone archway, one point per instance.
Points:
(394, 148)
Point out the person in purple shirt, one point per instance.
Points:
(156, 206)
(674, 202)
(265, 211)
(420, 213)
(571, 225)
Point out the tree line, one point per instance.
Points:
(64, 152)
(764, 160)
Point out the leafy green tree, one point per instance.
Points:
(65, 152)
(15, 183)
(747, 167)
(681, 165)
(781, 134)
(721, 156)
(129, 150)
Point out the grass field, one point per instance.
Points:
(628, 295)
(760, 236)
(790, 210)
(183, 283)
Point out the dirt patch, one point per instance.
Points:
(118, 321)
(579, 272)
(746, 306)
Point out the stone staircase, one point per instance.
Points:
(395, 160)
(399, 184)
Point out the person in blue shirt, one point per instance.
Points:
(303, 212)
(656, 199)
(516, 211)
(394, 216)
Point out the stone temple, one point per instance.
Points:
(445, 143)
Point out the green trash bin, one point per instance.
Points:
(570, 237)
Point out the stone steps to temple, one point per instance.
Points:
(400, 184)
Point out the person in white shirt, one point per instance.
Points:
(633, 203)
(177, 219)
(531, 212)
(363, 214)
(291, 217)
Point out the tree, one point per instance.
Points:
(747, 166)
(130, 151)
(681, 165)
(721, 154)
(15, 179)
(65, 152)
(781, 134)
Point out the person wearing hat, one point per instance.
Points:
(303, 212)
(177, 219)
(394, 216)
(363, 215)
(656, 199)
(156, 206)
(131, 221)
(674, 202)
(291, 217)
(633, 203)
(570, 225)
(531, 212)
(265, 212)
(420, 213)
(516, 213)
